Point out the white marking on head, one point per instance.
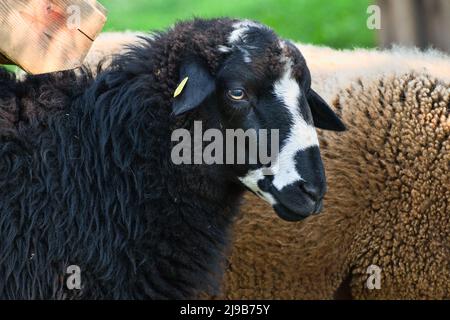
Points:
(246, 54)
(301, 136)
(224, 49)
(251, 181)
(240, 28)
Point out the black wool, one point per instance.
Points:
(86, 179)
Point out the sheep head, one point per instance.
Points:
(259, 81)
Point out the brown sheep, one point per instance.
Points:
(388, 199)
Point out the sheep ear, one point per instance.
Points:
(323, 116)
(195, 85)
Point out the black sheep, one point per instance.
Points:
(86, 176)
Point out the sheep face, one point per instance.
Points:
(261, 83)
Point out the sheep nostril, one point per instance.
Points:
(319, 207)
(313, 192)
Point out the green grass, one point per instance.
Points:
(336, 23)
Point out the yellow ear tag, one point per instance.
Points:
(180, 87)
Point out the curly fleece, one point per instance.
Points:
(387, 205)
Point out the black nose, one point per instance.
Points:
(299, 200)
(303, 197)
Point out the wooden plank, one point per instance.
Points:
(437, 23)
(43, 35)
(421, 23)
(92, 19)
(398, 23)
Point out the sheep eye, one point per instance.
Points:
(237, 94)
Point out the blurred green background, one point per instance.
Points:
(335, 23)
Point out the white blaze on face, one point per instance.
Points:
(301, 136)
(251, 181)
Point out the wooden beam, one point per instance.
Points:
(48, 35)
(420, 23)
